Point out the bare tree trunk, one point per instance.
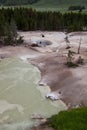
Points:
(79, 46)
(67, 42)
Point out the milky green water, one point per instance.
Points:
(20, 95)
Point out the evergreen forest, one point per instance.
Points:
(28, 19)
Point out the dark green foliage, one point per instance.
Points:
(75, 119)
(10, 33)
(27, 19)
(74, 21)
(8, 29)
(20, 40)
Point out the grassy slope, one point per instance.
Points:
(75, 119)
(61, 5)
(61, 2)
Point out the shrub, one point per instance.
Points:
(75, 119)
(20, 40)
(71, 64)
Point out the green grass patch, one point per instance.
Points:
(75, 119)
(60, 8)
(46, 5)
(40, 8)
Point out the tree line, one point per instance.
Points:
(28, 19)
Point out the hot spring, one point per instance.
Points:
(21, 96)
